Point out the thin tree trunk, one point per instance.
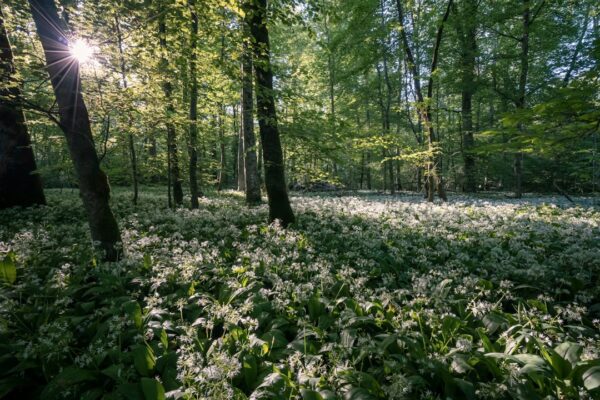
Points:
(250, 167)
(132, 155)
(167, 88)
(193, 128)
(279, 204)
(434, 179)
(241, 170)
(221, 175)
(518, 160)
(74, 120)
(20, 183)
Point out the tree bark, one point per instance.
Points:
(279, 204)
(20, 184)
(74, 120)
(250, 167)
(520, 103)
(167, 87)
(193, 115)
(132, 155)
(467, 30)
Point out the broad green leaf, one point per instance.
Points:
(144, 360)
(591, 378)
(308, 394)
(569, 351)
(8, 269)
(134, 311)
(152, 389)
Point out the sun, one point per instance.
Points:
(81, 51)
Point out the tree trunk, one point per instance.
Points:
(241, 171)
(221, 176)
(132, 155)
(193, 128)
(20, 184)
(167, 88)
(518, 161)
(252, 181)
(64, 76)
(433, 179)
(467, 31)
(279, 204)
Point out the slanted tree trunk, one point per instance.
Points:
(433, 179)
(193, 128)
(167, 87)
(74, 120)
(20, 184)
(279, 203)
(132, 155)
(250, 167)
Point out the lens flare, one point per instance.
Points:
(81, 51)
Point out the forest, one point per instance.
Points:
(299, 199)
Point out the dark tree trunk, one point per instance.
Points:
(467, 31)
(132, 155)
(520, 103)
(20, 184)
(221, 175)
(279, 203)
(250, 167)
(240, 168)
(64, 75)
(167, 87)
(193, 128)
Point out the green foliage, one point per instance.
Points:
(363, 299)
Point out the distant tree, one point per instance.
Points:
(247, 140)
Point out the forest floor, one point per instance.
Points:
(365, 297)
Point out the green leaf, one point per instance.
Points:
(68, 377)
(152, 389)
(249, 369)
(561, 367)
(8, 269)
(164, 340)
(493, 321)
(144, 360)
(308, 394)
(569, 351)
(134, 311)
(591, 378)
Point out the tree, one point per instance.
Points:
(20, 183)
(63, 70)
(247, 139)
(174, 179)
(466, 27)
(279, 203)
(193, 129)
(434, 178)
